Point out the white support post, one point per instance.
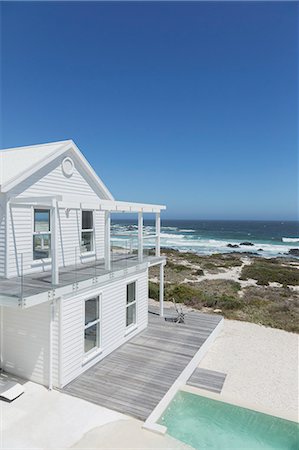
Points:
(161, 290)
(158, 231)
(140, 236)
(54, 244)
(1, 337)
(107, 240)
(7, 219)
(52, 317)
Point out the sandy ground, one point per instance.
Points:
(48, 420)
(128, 434)
(261, 366)
(231, 274)
(40, 419)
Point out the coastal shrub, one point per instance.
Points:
(226, 302)
(181, 293)
(219, 287)
(198, 272)
(210, 302)
(267, 271)
(153, 290)
(176, 267)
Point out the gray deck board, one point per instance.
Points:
(209, 380)
(135, 377)
(37, 283)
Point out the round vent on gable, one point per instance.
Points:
(67, 166)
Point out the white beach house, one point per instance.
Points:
(68, 295)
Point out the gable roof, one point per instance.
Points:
(19, 163)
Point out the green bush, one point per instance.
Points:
(267, 271)
(198, 272)
(177, 267)
(226, 302)
(181, 293)
(153, 290)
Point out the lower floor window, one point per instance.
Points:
(131, 304)
(92, 324)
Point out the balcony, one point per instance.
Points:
(86, 272)
(41, 280)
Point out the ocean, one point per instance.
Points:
(268, 238)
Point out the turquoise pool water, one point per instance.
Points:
(204, 423)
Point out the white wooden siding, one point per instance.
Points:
(25, 343)
(51, 181)
(2, 237)
(113, 323)
(69, 236)
(46, 182)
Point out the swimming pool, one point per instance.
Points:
(204, 423)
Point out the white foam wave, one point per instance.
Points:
(284, 239)
(209, 246)
(172, 236)
(187, 231)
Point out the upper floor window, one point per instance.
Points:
(41, 234)
(87, 235)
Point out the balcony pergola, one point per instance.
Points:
(66, 202)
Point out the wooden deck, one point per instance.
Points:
(207, 379)
(135, 377)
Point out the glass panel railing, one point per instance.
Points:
(149, 246)
(32, 272)
(29, 275)
(121, 251)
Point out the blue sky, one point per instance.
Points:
(194, 105)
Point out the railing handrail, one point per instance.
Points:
(145, 236)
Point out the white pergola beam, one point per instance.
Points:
(67, 201)
(39, 200)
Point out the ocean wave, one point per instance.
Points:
(209, 246)
(284, 239)
(172, 236)
(188, 231)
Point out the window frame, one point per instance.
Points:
(134, 302)
(87, 230)
(97, 349)
(39, 233)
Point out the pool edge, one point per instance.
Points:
(151, 422)
(241, 404)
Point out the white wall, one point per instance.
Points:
(2, 236)
(50, 181)
(25, 344)
(26, 332)
(113, 325)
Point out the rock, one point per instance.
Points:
(217, 310)
(260, 250)
(247, 253)
(233, 246)
(294, 251)
(247, 243)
